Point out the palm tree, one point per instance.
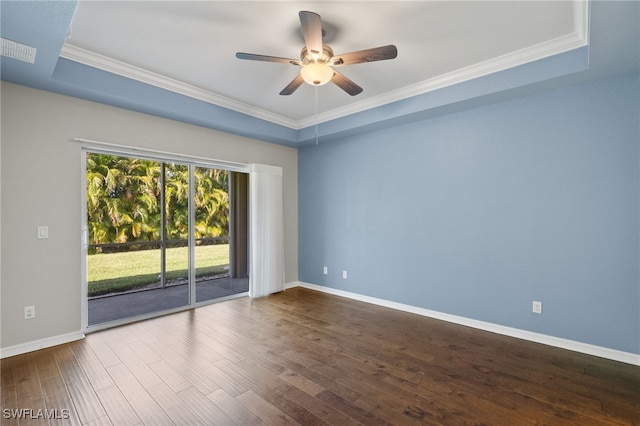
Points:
(212, 202)
(176, 203)
(122, 199)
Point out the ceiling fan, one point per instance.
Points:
(317, 59)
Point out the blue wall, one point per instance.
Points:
(478, 213)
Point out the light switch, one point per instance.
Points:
(43, 232)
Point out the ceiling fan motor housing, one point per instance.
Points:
(310, 57)
(316, 58)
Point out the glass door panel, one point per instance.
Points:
(211, 231)
(160, 236)
(127, 274)
(176, 229)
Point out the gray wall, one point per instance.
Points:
(41, 185)
(480, 212)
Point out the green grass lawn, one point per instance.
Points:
(113, 272)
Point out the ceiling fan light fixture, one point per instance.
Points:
(316, 73)
(317, 59)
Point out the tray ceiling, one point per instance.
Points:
(189, 47)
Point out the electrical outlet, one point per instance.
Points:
(344, 274)
(325, 270)
(29, 312)
(537, 307)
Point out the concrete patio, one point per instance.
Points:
(131, 304)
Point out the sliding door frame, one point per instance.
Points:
(192, 162)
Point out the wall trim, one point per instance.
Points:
(510, 60)
(507, 61)
(572, 345)
(562, 44)
(101, 62)
(35, 345)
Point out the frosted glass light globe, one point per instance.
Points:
(316, 73)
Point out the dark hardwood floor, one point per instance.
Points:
(303, 357)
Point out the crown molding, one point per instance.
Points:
(579, 38)
(114, 66)
(481, 69)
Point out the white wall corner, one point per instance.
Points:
(599, 351)
(35, 345)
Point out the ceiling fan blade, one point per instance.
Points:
(291, 87)
(345, 84)
(266, 58)
(368, 55)
(312, 30)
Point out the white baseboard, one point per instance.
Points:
(613, 354)
(616, 355)
(40, 344)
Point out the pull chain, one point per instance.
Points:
(316, 112)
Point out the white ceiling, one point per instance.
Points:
(189, 47)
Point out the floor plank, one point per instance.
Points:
(205, 409)
(85, 400)
(27, 385)
(144, 405)
(140, 369)
(309, 358)
(172, 404)
(237, 412)
(56, 396)
(265, 411)
(8, 394)
(92, 366)
(118, 409)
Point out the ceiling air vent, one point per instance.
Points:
(21, 52)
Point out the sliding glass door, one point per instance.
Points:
(211, 247)
(158, 236)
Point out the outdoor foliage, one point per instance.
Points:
(123, 200)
